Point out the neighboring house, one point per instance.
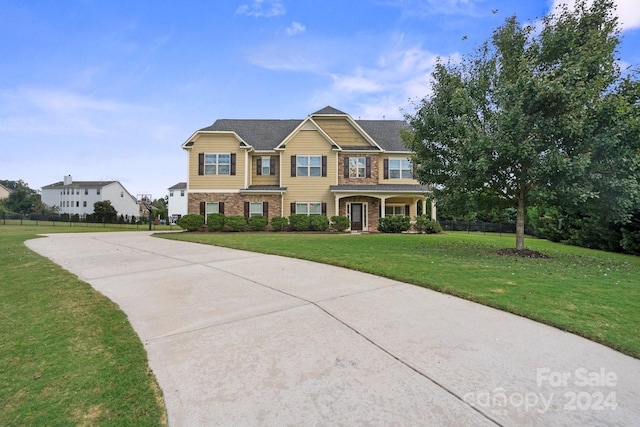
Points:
(77, 197)
(327, 164)
(4, 192)
(177, 201)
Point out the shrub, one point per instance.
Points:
(279, 223)
(340, 223)
(424, 224)
(318, 223)
(394, 224)
(190, 222)
(215, 222)
(258, 223)
(299, 222)
(133, 219)
(235, 223)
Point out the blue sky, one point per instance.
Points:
(110, 89)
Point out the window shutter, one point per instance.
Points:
(272, 166)
(259, 167)
(324, 165)
(201, 164)
(293, 208)
(293, 165)
(386, 168)
(346, 167)
(233, 163)
(324, 209)
(368, 168)
(265, 209)
(406, 210)
(203, 208)
(221, 207)
(246, 210)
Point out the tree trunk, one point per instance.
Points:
(520, 222)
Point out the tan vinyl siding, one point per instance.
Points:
(395, 180)
(307, 188)
(264, 179)
(216, 144)
(342, 132)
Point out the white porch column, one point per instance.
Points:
(423, 205)
(433, 210)
(382, 204)
(337, 204)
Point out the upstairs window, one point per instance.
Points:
(308, 165)
(170, 193)
(398, 169)
(181, 193)
(216, 164)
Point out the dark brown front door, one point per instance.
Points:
(356, 216)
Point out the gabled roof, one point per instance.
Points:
(262, 135)
(79, 184)
(179, 186)
(268, 134)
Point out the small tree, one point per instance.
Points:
(104, 211)
(426, 225)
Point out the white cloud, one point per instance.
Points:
(628, 12)
(296, 28)
(262, 8)
(422, 8)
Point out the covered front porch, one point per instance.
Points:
(364, 205)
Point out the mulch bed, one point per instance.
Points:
(523, 253)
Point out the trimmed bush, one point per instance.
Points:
(424, 224)
(258, 223)
(299, 222)
(215, 222)
(340, 222)
(394, 224)
(318, 223)
(191, 222)
(235, 223)
(279, 223)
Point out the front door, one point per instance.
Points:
(356, 216)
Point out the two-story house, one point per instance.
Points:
(326, 164)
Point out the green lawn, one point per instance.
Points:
(69, 356)
(590, 293)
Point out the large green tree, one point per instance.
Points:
(104, 211)
(529, 115)
(22, 199)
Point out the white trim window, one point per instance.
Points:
(308, 165)
(395, 210)
(266, 165)
(309, 208)
(212, 208)
(256, 209)
(400, 169)
(217, 164)
(357, 167)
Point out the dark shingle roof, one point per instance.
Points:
(386, 133)
(79, 184)
(179, 186)
(267, 134)
(328, 110)
(260, 134)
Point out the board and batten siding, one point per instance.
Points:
(308, 188)
(342, 132)
(216, 144)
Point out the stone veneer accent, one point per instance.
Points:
(234, 202)
(375, 162)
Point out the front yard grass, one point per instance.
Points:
(69, 355)
(591, 293)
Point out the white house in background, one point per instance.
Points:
(4, 192)
(177, 201)
(77, 197)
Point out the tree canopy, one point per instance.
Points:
(536, 113)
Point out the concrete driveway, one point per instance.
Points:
(239, 338)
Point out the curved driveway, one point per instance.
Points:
(239, 338)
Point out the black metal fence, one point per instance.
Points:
(64, 220)
(481, 227)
